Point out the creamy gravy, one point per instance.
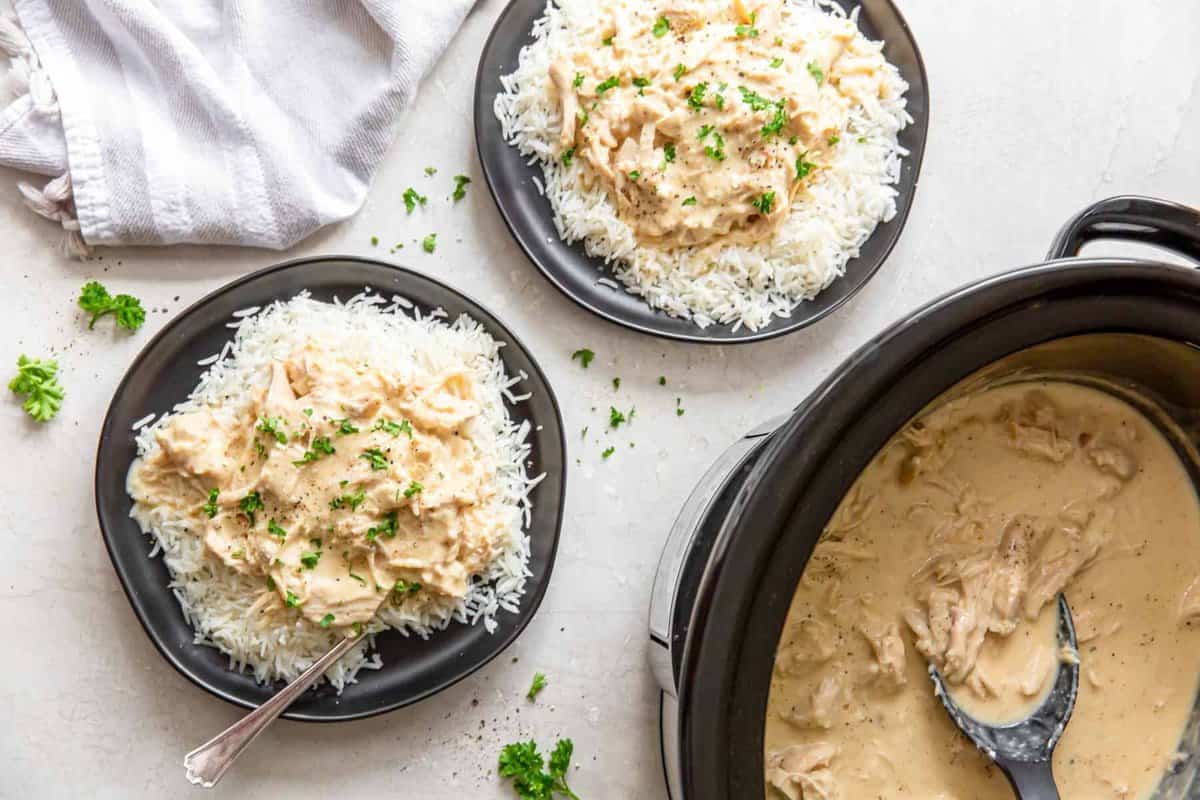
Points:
(951, 546)
(704, 119)
(338, 485)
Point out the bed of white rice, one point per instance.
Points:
(390, 333)
(741, 285)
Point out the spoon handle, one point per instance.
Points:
(1032, 780)
(208, 762)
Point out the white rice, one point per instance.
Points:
(741, 285)
(217, 601)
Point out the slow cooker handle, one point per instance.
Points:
(1132, 218)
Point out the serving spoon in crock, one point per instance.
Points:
(1023, 749)
(207, 763)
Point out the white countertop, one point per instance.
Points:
(1038, 108)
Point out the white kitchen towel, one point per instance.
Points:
(251, 122)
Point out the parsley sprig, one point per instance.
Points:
(37, 379)
(126, 308)
(524, 765)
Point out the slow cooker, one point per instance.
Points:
(742, 539)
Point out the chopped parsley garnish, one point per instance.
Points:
(616, 384)
(680, 71)
(412, 199)
(719, 100)
(308, 412)
(778, 121)
(691, 201)
(578, 80)
(608, 452)
(310, 559)
(607, 41)
(238, 554)
(776, 63)
(210, 508)
(429, 243)
(615, 417)
(832, 140)
(37, 379)
(765, 202)
(327, 620)
(292, 601)
(359, 578)
(127, 309)
(345, 427)
(431, 171)
(394, 428)
(387, 527)
(743, 31)
(406, 587)
(270, 583)
(535, 688)
(414, 487)
(602, 87)
(705, 130)
(567, 156)
(753, 99)
(274, 529)
(460, 187)
(696, 98)
(635, 174)
(250, 504)
(523, 764)
(584, 355)
(669, 152)
(817, 73)
(803, 167)
(661, 27)
(716, 151)
(273, 426)
(320, 447)
(376, 458)
(353, 500)
(862, 140)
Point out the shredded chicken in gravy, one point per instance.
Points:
(703, 119)
(338, 486)
(951, 548)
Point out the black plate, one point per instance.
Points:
(165, 373)
(568, 267)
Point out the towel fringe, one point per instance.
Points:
(54, 201)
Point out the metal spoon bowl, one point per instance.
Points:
(1023, 749)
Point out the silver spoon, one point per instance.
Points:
(1023, 749)
(208, 762)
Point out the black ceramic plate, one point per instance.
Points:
(568, 267)
(165, 373)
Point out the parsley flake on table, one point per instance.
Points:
(210, 508)
(678, 408)
(127, 309)
(535, 688)
(250, 504)
(817, 73)
(431, 171)
(460, 187)
(661, 27)
(662, 380)
(412, 199)
(37, 380)
(616, 418)
(374, 241)
(584, 355)
(429, 243)
(616, 383)
(608, 451)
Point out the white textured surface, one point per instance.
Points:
(1038, 108)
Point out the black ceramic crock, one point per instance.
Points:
(727, 590)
